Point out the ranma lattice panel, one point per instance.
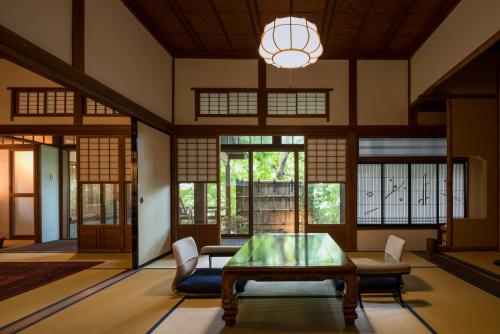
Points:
(197, 159)
(326, 159)
(98, 159)
(128, 159)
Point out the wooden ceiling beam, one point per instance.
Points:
(186, 24)
(328, 17)
(255, 26)
(217, 16)
(33, 58)
(401, 16)
(134, 7)
(364, 18)
(62, 130)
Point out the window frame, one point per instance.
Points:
(296, 91)
(198, 91)
(14, 101)
(409, 161)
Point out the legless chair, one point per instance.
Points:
(192, 281)
(376, 277)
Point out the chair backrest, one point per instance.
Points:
(186, 258)
(395, 247)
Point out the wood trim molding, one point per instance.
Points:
(69, 130)
(262, 93)
(382, 131)
(353, 93)
(33, 58)
(449, 175)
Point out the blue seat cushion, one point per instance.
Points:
(339, 284)
(205, 281)
(377, 283)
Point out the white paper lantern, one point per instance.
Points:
(290, 42)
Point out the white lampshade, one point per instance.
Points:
(290, 42)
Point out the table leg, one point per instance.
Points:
(229, 299)
(350, 301)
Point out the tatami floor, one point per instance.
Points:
(143, 302)
(481, 259)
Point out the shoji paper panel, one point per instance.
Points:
(98, 159)
(326, 159)
(197, 159)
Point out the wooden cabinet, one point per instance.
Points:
(104, 239)
(203, 235)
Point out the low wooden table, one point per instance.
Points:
(289, 257)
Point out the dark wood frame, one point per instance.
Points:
(250, 149)
(122, 204)
(413, 161)
(260, 101)
(14, 96)
(198, 91)
(35, 195)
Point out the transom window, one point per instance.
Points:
(226, 102)
(298, 103)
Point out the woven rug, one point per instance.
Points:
(19, 277)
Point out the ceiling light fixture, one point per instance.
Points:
(290, 42)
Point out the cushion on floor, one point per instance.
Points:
(377, 283)
(205, 281)
(373, 267)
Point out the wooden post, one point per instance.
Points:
(449, 174)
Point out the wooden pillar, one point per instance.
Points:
(78, 54)
(449, 174)
(262, 92)
(200, 203)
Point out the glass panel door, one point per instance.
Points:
(273, 192)
(69, 193)
(22, 194)
(234, 181)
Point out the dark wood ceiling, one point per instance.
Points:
(369, 29)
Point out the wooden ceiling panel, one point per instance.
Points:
(236, 23)
(167, 22)
(348, 28)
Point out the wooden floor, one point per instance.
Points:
(144, 302)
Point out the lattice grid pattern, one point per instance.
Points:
(197, 159)
(43, 102)
(128, 159)
(99, 159)
(228, 103)
(95, 108)
(326, 160)
(297, 103)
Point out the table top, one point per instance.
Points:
(289, 250)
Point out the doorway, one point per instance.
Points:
(22, 194)
(262, 187)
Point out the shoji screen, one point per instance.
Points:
(197, 159)
(326, 160)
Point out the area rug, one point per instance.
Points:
(19, 277)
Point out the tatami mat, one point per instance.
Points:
(289, 315)
(132, 305)
(26, 303)
(13, 243)
(451, 305)
(482, 259)
(111, 260)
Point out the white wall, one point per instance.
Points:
(49, 192)
(467, 27)
(153, 167)
(4, 193)
(382, 92)
(122, 54)
(375, 240)
(45, 23)
(331, 74)
(211, 73)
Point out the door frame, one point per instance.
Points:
(35, 195)
(250, 149)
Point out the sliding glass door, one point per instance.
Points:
(261, 192)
